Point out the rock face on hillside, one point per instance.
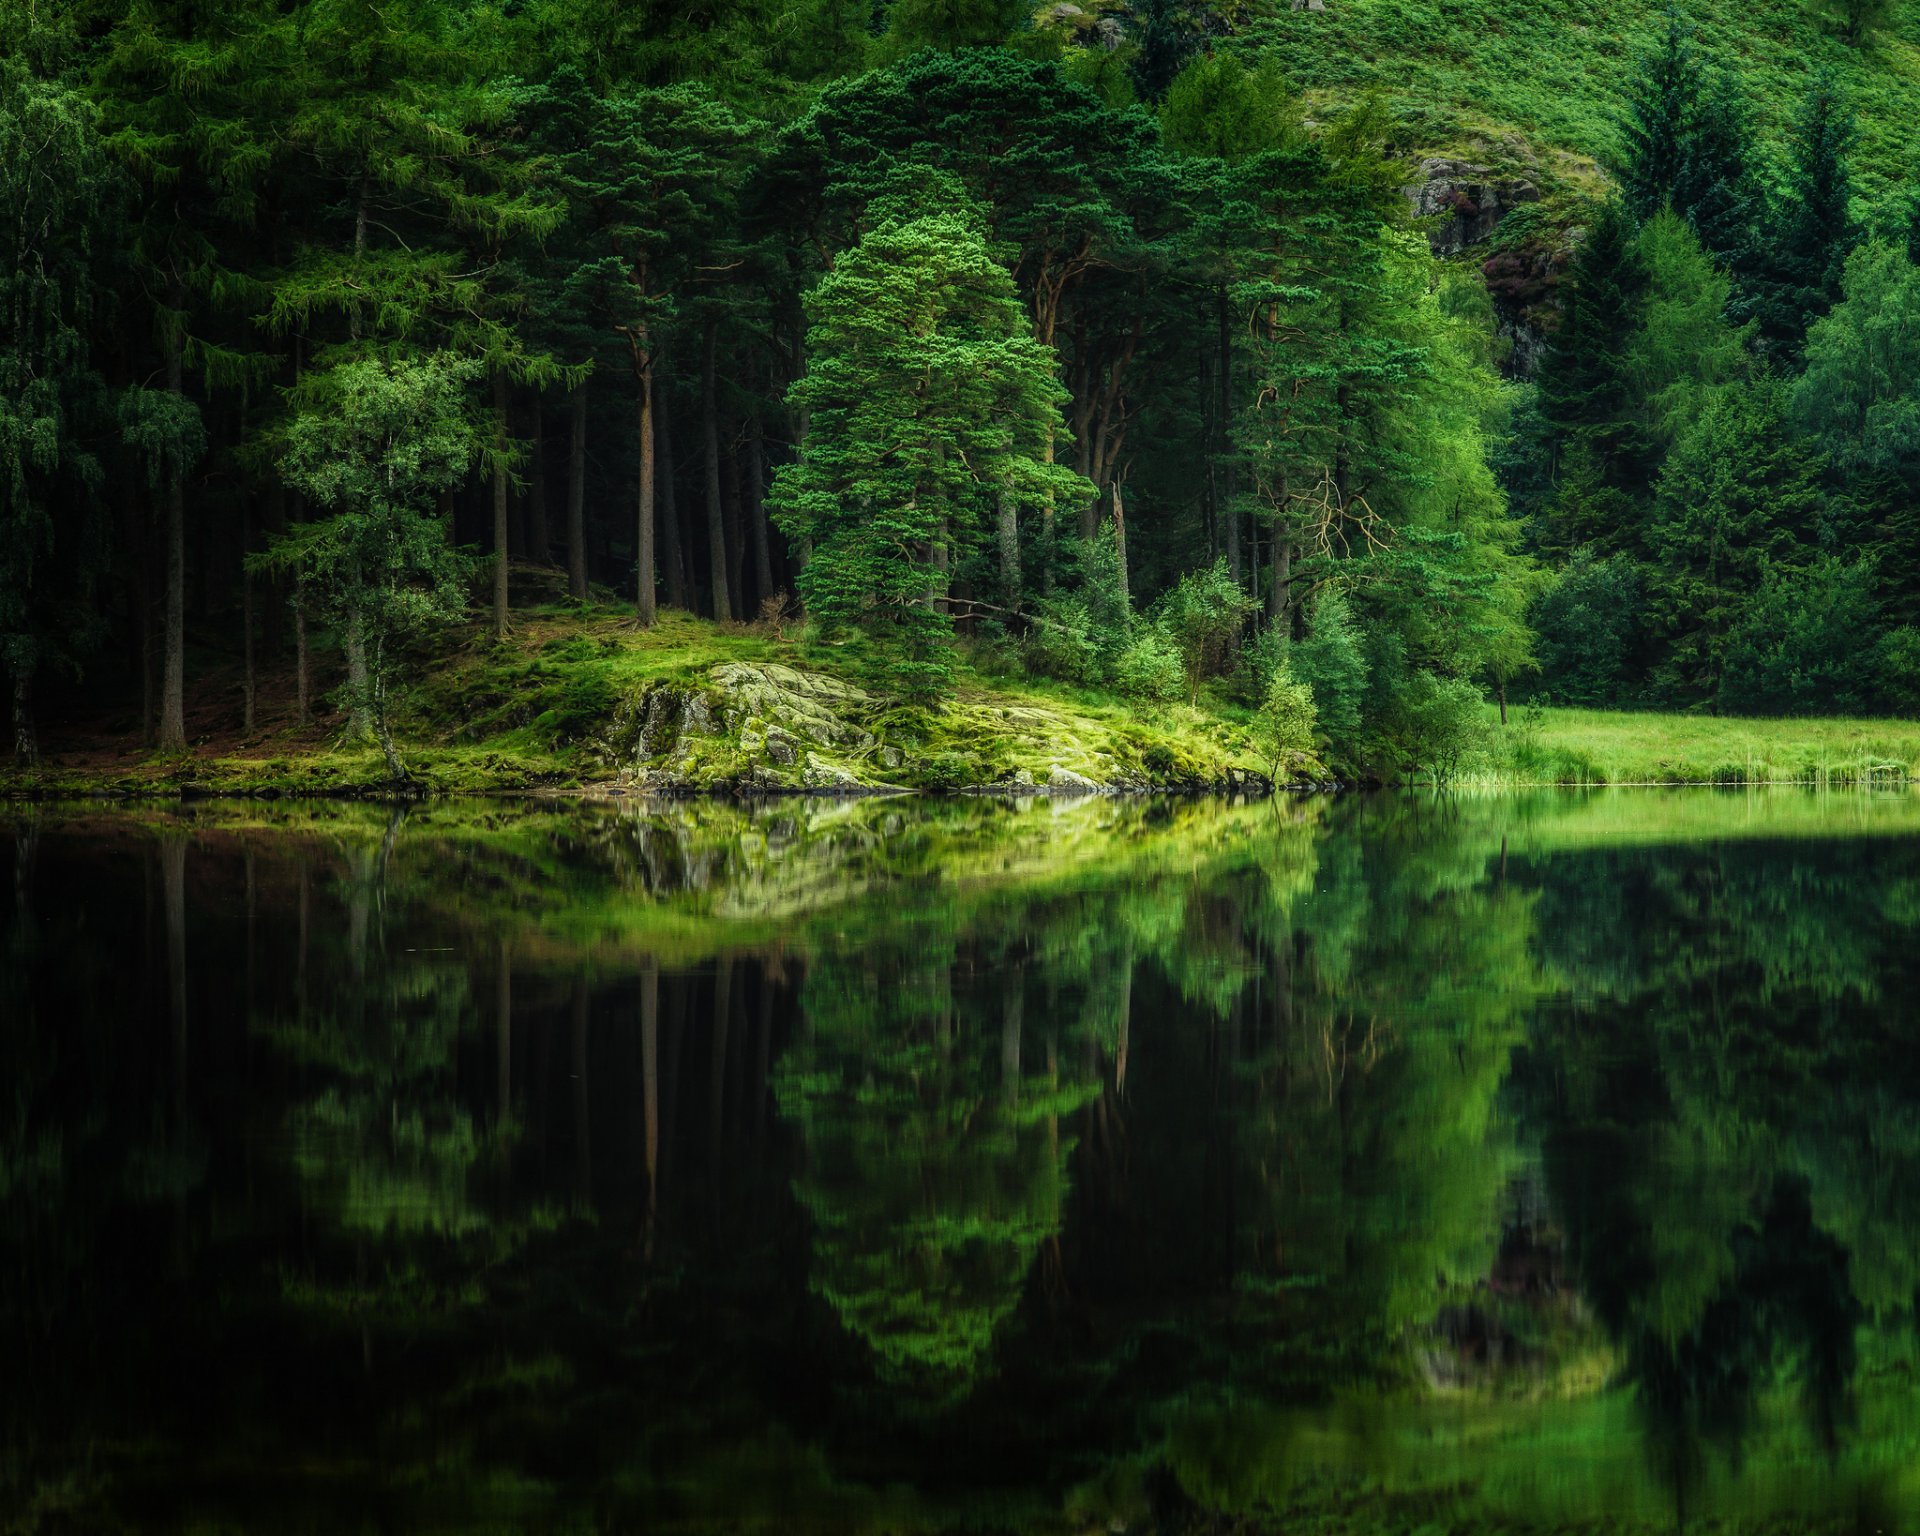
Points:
(1468, 200)
(768, 728)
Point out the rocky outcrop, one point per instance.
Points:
(1467, 200)
(769, 728)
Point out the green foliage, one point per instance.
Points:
(918, 343)
(373, 445)
(1203, 615)
(1332, 661)
(1436, 724)
(59, 198)
(1589, 624)
(1819, 230)
(1807, 643)
(1149, 666)
(1738, 496)
(1283, 726)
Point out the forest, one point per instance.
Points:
(1145, 349)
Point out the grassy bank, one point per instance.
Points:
(1585, 746)
(543, 711)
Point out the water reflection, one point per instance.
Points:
(1391, 1164)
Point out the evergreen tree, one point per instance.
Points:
(59, 201)
(373, 445)
(1587, 398)
(929, 402)
(1662, 103)
(1738, 497)
(1817, 227)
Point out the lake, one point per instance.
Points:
(1525, 1163)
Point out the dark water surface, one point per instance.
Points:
(1543, 1163)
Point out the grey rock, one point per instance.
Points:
(825, 775)
(782, 750)
(892, 757)
(1064, 781)
(1468, 201)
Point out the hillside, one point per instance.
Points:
(1535, 85)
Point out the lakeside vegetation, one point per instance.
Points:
(544, 710)
(1222, 388)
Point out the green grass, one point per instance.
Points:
(1523, 84)
(1582, 746)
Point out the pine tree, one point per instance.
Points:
(372, 446)
(59, 201)
(929, 404)
(1587, 399)
(648, 177)
(1739, 495)
(1662, 103)
(1818, 231)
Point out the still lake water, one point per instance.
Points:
(1519, 1163)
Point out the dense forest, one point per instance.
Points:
(1126, 343)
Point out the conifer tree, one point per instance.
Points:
(1817, 227)
(929, 403)
(1587, 399)
(59, 200)
(1662, 103)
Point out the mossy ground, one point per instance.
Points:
(530, 713)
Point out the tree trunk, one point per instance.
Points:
(539, 535)
(1223, 437)
(500, 504)
(302, 690)
(1007, 519)
(1120, 543)
(1502, 690)
(672, 547)
(1280, 583)
(26, 744)
(645, 600)
(757, 510)
(246, 620)
(173, 710)
(733, 504)
(716, 517)
(359, 695)
(577, 495)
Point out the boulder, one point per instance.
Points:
(1064, 781)
(1468, 201)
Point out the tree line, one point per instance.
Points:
(1074, 339)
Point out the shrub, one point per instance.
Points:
(1440, 723)
(1588, 626)
(1262, 658)
(1150, 666)
(1809, 643)
(1062, 642)
(1898, 664)
(1284, 726)
(1205, 614)
(1332, 661)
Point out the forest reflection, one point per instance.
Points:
(877, 1166)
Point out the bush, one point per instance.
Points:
(1150, 666)
(1204, 614)
(1440, 723)
(1588, 626)
(1063, 643)
(1897, 661)
(1262, 659)
(1809, 643)
(1332, 662)
(1284, 726)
